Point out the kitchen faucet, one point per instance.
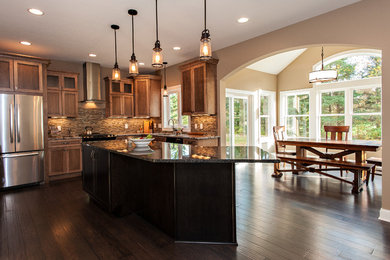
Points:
(173, 125)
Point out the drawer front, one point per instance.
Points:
(55, 143)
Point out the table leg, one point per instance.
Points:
(301, 152)
(361, 157)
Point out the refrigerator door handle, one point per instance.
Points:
(19, 155)
(11, 125)
(18, 123)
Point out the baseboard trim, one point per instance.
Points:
(384, 215)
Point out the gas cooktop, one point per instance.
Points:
(97, 137)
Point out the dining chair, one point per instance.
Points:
(337, 133)
(279, 133)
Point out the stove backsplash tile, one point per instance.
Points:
(95, 117)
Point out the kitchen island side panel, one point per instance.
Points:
(205, 202)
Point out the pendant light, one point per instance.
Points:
(133, 65)
(116, 73)
(205, 41)
(165, 91)
(322, 75)
(157, 60)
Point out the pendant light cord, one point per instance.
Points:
(204, 14)
(132, 31)
(165, 75)
(322, 58)
(116, 52)
(156, 23)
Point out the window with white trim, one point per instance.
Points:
(172, 110)
(266, 115)
(353, 100)
(295, 113)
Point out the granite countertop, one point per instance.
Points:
(183, 136)
(170, 152)
(54, 138)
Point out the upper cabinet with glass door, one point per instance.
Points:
(199, 87)
(21, 74)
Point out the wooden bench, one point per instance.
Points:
(307, 163)
(378, 163)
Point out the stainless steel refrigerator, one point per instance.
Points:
(21, 140)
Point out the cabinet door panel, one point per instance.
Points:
(101, 176)
(54, 102)
(69, 103)
(199, 90)
(6, 75)
(116, 105)
(28, 76)
(186, 92)
(74, 162)
(53, 80)
(57, 161)
(70, 82)
(141, 98)
(128, 106)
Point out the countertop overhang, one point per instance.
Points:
(163, 152)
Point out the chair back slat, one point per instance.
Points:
(336, 132)
(279, 134)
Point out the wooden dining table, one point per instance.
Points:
(340, 148)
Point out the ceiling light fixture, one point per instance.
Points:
(165, 91)
(35, 11)
(243, 20)
(116, 72)
(25, 43)
(157, 60)
(177, 48)
(322, 75)
(133, 65)
(205, 41)
(92, 55)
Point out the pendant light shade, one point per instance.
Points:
(322, 75)
(133, 64)
(157, 60)
(165, 90)
(205, 41)
(116, 73)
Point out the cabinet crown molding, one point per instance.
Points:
(198, 62)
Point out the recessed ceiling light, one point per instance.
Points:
(243, 20)
(141, 63)
(92, 55)
(25, 43)
(35, 11)
(177, 48)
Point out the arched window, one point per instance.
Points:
(354, 65)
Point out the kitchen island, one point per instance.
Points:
(187, 191)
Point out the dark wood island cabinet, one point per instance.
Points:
(187, 191)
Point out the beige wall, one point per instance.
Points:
(251, 80)
(362, 24)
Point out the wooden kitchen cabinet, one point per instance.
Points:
(62, 94)
(119, 98)
(6, 74)
(21, 73)
(147, 96)
(65, 159)
(199, 87)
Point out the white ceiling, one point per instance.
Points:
(70, 29)
(276, 63)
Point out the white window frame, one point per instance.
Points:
(315, 102)
(271, 115)
(165, 110)
(284, 107)
(252, 126)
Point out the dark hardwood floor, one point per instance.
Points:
(295, 217)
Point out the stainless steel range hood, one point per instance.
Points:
(92, 88)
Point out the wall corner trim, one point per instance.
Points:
(384, 215)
